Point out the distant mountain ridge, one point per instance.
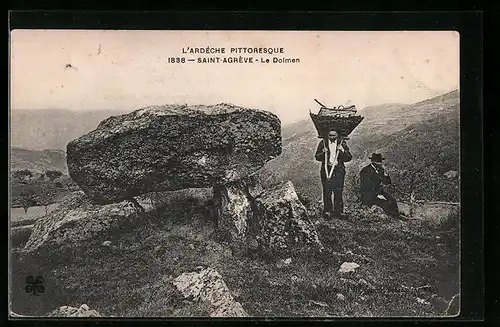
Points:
(421, 139)
(53, 128)
(426, 133)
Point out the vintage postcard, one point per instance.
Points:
(234, 173)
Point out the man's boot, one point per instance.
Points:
(327, 215)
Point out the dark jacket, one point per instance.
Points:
(371, 182)
(339, 171)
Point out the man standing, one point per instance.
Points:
(372, 177)
(333, 153)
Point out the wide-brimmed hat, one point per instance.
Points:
(377, 157)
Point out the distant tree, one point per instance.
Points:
(22, 174)
(53, 174)
(408, 181)
(27, 199)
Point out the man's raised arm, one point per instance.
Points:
(320, 154)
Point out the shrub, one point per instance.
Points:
(53, 174)
(22, 174)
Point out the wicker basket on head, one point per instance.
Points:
(340, 119)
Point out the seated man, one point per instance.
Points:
(372, 177)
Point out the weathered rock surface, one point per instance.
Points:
(234, 203)
(273, 218)
(378, 213)
(77, 218)
(164, 148)
(451, 174)
(67, 311)
(282, 222)
(348, 267)
(207, 287)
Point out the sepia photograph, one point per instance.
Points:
(234, 174)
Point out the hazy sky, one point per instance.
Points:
(129, 69)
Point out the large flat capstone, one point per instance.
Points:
(166, 148)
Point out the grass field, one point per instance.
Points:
(406, 269)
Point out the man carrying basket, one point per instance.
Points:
(333, 151)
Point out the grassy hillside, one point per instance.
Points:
(38, 160)
(38, 189)
(406, 269)
(423, 153)
(424, 134)
(53, 128)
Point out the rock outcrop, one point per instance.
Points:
(207, 287)
(234, 203)
(273, 218)
(67, 311)
(77, 218)
(282, 222)
(165, 148)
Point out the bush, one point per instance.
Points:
(22, 174)
(53, 174)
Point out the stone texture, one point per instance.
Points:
(67, 311)
(451, 174)
(207, 287)
(272, 220)
(348, 267)
(77, 218)
(234, 202)
(165, 148)
(378, 213)
(282, 222)
(405, 209)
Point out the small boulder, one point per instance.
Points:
(207, 288)
(451, 174)
(68, 311)
(348, 267)
(405, 209)
(378, 213)
(422, 301)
